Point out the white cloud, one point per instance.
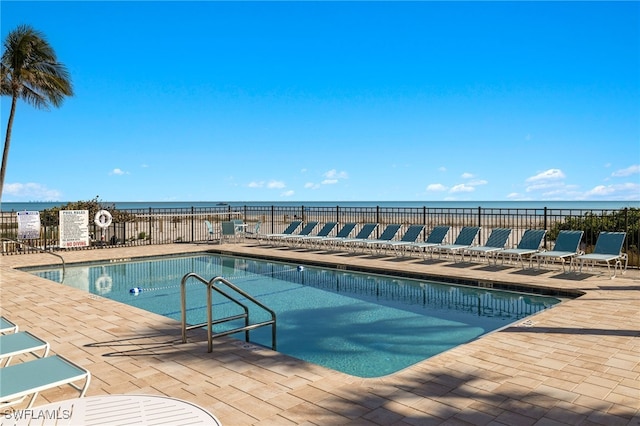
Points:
(551, 174)
(330, 181)
(276, 184)
(462, 188)
(118, 172)
(287, 193)
(436, 187)
(466, 176)
(629, 191)
(31, 191)
(255, 184)
(331, 177)
(442, 169)
(544, 186)
(334, 174)
(516, 196)
(631, 170)
(601, 190)
(477, 182)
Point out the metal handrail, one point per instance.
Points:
(42, 250)
(211, 285)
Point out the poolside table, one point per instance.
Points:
(117, 409)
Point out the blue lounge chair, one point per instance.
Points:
(565, 248)
(410, 236)
(342, 233)
(529, 244)
(288, 231)
(362, 235)
(324, 232)
(25, 379)
(21, 342)
(608, 250)
(7, 326)
(465, 239)
(496, 242)
(306, 230)
(372, 244)
(435, 238)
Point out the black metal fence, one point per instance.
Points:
(168, 226)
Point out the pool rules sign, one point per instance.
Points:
(74, 228)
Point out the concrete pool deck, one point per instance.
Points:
(578, 363)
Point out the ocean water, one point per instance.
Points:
(563, 205)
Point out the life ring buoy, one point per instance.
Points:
(103, 284)
(103, 219)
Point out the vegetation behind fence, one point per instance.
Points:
(180, 225)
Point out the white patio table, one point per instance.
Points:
(114, 410)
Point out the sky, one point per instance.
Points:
(332, 101)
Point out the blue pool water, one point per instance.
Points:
(365, 325)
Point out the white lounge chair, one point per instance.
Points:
(7, 326)
(20, 381)
(324, 232)
(288, 231)
(342, 233)
(496, 242)
(364, 233)
(410, 236)
(529, 245)
(375, 243)
(608, 250)
(18, 343)
(289, 238)
(565, 249)
(435, 238)
(463, 241)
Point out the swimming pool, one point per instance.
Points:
(366, 325)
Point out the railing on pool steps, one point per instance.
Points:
(213, 285)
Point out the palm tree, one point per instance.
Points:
(30, 71)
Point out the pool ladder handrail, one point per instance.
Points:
(40, 250)
(211, 285)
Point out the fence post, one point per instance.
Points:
(149, 229)
(626, 229)
(272, 218)
(193, 224)
(424, 222)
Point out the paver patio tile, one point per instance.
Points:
(575, 363)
